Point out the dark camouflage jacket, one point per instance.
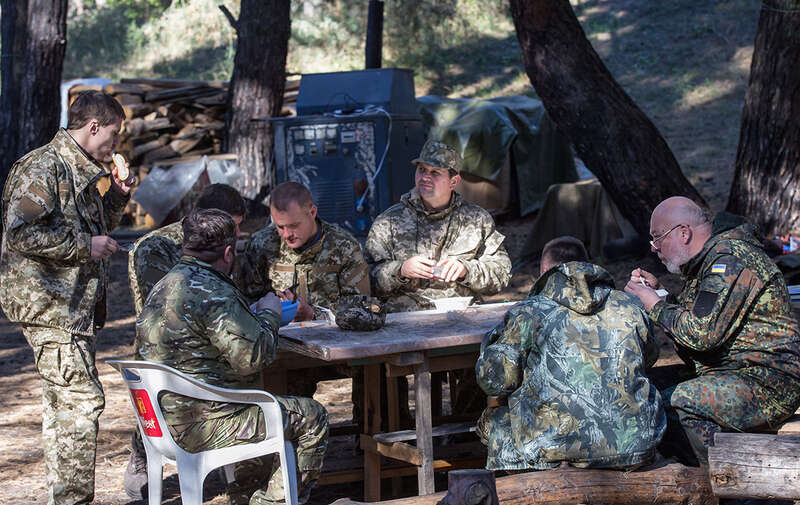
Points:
(463, 230)
(151, 258)
(332, 267)
(734, 310)
(571, 359)
(51, 210)
(196, 321)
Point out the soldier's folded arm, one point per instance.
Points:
(247, 341)
(37, 230)
(721, 298)
(500, 365)
(490, 272)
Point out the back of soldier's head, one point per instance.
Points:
(94, 105)
(562, 250)
(207, 232)
(222, 197)
(287, 192)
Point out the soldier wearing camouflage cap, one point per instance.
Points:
(433, 244)
(567, 368)
(53, 276)
(150, 259)
(732, 324)
(220, 340)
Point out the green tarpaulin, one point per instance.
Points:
(489, 131)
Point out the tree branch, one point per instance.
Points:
(231, 19)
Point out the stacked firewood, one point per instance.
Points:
(168, 122)
(168, 119)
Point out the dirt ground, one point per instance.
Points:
(21, 465)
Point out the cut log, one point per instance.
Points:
(137, 110)
(148, 146)
(160, 153)
(470, 487)
(185, 145)
(669, 484)
(137, 126)
(753, 465)
(116, 88)
(176, 83)
(128, 99)
(194, 157)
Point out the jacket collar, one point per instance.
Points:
(85, 170)
(193, 262)
(413, 201)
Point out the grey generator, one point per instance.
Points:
(351, 143)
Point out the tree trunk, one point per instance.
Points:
(766, 186)
(670, 484)
(12, 66)
(754, 465)
(256, 90)
(40, 102)
(613, 137)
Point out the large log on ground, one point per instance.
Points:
(754, 465)
(668, 484)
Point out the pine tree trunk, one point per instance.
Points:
(766, 186)
(14, 20)
(259, 77)
(612, 136)
(45, 45)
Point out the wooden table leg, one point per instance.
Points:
(372, 425)
(422, 387)
(393, 408)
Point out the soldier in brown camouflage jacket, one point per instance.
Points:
(732, 324)
(149, 260)
(53, 277)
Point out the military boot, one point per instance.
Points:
(135, 480)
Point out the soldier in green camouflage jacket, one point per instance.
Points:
(732, 324)
(53, 278)
(150, 259)
(301, 255)
(568, 364)
(433, 243)
(196, 321)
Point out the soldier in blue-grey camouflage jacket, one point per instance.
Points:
(196, 321)
(149, 260)
(53, 277)
(566, 371)
(732, 324)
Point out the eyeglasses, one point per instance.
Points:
(661, 237)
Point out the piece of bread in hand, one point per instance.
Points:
(122, 169)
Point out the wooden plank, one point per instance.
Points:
(175, 83)
(403, 332)
(439, 465)
(118, 88)
(422, 387)
(791, 426)
(438, 364)
(395, 450)
(754, 465)
(436, 431)
(187, 159)
(372, 425)
(662, 485)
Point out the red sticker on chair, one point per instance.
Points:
(146, 414)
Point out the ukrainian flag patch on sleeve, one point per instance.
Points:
(718, 269)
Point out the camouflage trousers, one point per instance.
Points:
(494, 429)
(749, 399)
(72, 401)
(259, 481)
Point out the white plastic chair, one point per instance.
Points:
(146, 380)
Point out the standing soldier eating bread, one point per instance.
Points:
(54, 270)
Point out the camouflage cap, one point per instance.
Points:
(360, 313)
(439, 155)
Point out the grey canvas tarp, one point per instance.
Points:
(490, 133)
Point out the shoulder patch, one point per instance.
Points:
(704, 303)
(718, 268)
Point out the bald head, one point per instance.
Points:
(681, 210)
(679, 228)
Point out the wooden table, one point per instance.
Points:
(417, 343)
